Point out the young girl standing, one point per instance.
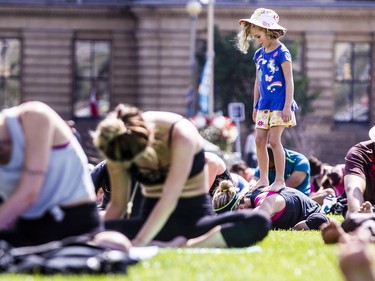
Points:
(273, 104)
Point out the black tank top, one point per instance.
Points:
(158, 176)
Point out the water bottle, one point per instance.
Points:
(328, 202)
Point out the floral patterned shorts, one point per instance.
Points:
(266, 119)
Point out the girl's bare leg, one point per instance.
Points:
(279, 157)
(261, 141)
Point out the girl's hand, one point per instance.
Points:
(254, 115)
(286, 114)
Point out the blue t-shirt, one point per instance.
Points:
(239, 181)
(294, 161)
(271, 78)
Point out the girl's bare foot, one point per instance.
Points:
(277, 186)
(260, 183)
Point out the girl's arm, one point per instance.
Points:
(39, 131)
(184, 143)
(289, 91)
(256, 96)
(120, 190)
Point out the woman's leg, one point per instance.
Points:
(237, 229)
(211, 239)
(79, 220)
(232, 229)
(278, 155)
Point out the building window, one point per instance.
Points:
(92, 78)
(352, 85)
(10, 60)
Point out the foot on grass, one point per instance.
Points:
(332, 232)
(355, 261)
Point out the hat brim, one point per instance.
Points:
(371, 133)
(257, 23)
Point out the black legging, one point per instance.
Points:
(78, 220)
(194, 217)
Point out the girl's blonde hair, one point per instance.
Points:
(122, 134)
(244, 35)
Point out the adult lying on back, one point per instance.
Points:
(163, 151)
(45, 184)
(287, 208)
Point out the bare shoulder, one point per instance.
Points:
(35, 108)
(37, 115)
(161, 117)
(164, 119)
(183, 129)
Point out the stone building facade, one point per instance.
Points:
(149, 51)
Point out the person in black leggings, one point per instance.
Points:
(163, 152)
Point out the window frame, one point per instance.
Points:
(353, 82)
(94, 79)
(10, 77)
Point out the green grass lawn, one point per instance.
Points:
(282, 255)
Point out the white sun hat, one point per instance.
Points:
(265, 18)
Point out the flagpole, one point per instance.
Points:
(193, 7)
(211, 52)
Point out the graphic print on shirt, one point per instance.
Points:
(260, 72)
(272, 87)
(270, 69)
(271, 66)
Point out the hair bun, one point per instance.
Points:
(110, 129)
(225, 185)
